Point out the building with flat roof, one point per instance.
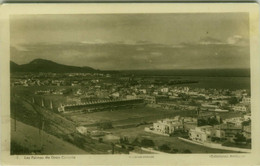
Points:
(166, 126)
(206, 133)
(201, 134)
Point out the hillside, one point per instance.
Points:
(42, 65)
(27, 140)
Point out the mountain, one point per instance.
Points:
(42, 65)
(14, 66)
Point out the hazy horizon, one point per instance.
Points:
(134, 41)
(142, 69)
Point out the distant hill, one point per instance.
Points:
(42, 65)
(14, 66)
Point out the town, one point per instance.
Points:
(127, 113)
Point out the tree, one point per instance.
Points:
(220, 120)
(233, 101)
(100, 140)
(130, 148)
(202, 122)
(165, 148)
(187, 151)
(212, 121)
(239, 138)
(105, 125)
(123, 140)
(184, 96)
(227, 93)
(192, 102)
(218, 103)
(136, 142)
(225, 107)
(246, 123)
(147, 143)
(174, 151)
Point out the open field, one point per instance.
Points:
(132, 116)
(127, 116)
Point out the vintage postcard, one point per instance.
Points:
(130, 84)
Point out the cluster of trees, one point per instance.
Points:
(123, 140)
(148, 143)
(167, 149)
(105, 125)
(184, 96)
(209, 121)
(246, 123)
(239, 138)
(233, 100)
(143, 143)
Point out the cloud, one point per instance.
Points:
(70, 53)
(237, 40)
(141, 42)
(139, 49)
(155, 53)
(210, 40)
(177, 46)
(20, 47)
(97, 41)
(234, 39)
(129, 42)
(115, 56)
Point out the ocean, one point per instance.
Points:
(232, 79)
(232, 83)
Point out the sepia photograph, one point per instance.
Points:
(137, 83)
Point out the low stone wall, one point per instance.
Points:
(217, 146)
(154, 132)
(153, 151)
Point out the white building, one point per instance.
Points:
(82, 130)
(240, 108)
(247, 117)
(237, 121)
(131, 97)
(166, 126)
(246, 100)
(115, 94)
(165, 90)
(186, 89)
(201, 134)
(205, 133)
(143, 91)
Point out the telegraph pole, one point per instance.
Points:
(42, 103)
(15, 119)
(51, 106)
(41, 134)
(113, 148)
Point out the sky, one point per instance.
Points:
(133, 41)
